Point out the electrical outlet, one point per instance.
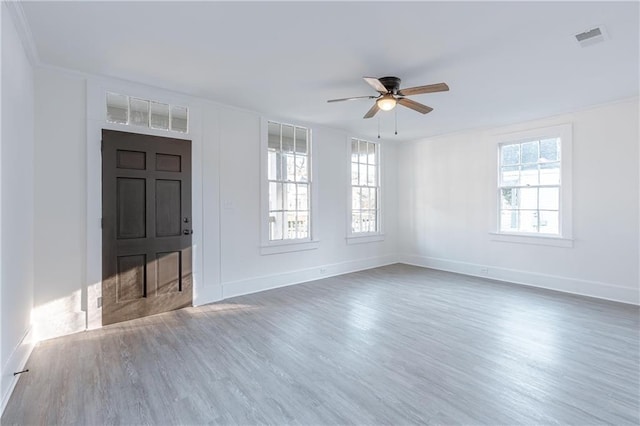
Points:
(99, 302)
(323, 270)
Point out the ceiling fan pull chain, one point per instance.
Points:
(378, 127)
(396, 111)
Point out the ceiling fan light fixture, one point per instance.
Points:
(386, 102)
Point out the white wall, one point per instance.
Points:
(17, 141)
(60, 188)
(227, 188)
(446, 196)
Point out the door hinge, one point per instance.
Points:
(101, 222)
(99, 302)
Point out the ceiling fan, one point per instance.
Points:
(390, 94)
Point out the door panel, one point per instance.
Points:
(131, 160)
(146, 234)
(130, 278)
(168, 272)
(168, 218)
(168, 163)
(131, 202)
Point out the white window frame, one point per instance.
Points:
(365, 237)
(268, 246)
(565, 237)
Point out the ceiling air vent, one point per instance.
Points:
(590, 37)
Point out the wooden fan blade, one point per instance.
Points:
(416, 106)
(376, 84)
(352, 99)
(374, 109)
(430, 88)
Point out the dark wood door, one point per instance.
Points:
(146, 229)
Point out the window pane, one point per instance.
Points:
(369, 221)
(354, 150)
(301, 140)
(302, 169)
(510, 175)
(529, 175)
(528, 198)
(273, 136)
(159, 116)
(550, 174)
(139, 112)
(530, 152)
(355, 221)
(303, 197)
(528, 221)
(275, 225)
(550, 150)
(510, 154)
(549, 222)
(372, 221)
(290, 196)
(363, 174)
(288, 166)
(363, 152)
(509, 220)
(303, 224)
(373, 198)
(117, 108)
(372, 153)
(354, 173)
(371, 180)
(272, 165)
(549, 199)
(287, 139)
(291, 225)
(179, 119)
(355, 198)
(509, 198)
(365, 200)
(275, 196)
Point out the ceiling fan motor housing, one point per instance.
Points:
(392, 84)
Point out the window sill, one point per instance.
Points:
(288, 246)
(361, 239)
(541, 240)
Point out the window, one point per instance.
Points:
(127, 110)
(365, 187)
(534, 183)
(289, 182)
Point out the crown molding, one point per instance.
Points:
(24, 30)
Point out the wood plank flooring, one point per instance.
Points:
(392, 345)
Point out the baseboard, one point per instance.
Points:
(254, 285)
(581, 287)
(17, 361)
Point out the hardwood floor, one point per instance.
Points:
(392, 345)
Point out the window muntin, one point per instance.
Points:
(289, 182)
(365, 187)
(128, 110)
(529, 187)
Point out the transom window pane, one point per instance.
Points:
(288, 172)
(122, 109)
(529, 187)
(365, 187)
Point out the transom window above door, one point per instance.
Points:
(128, 110)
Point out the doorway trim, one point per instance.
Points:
(96, 121)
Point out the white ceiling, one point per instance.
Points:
(505, 62)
